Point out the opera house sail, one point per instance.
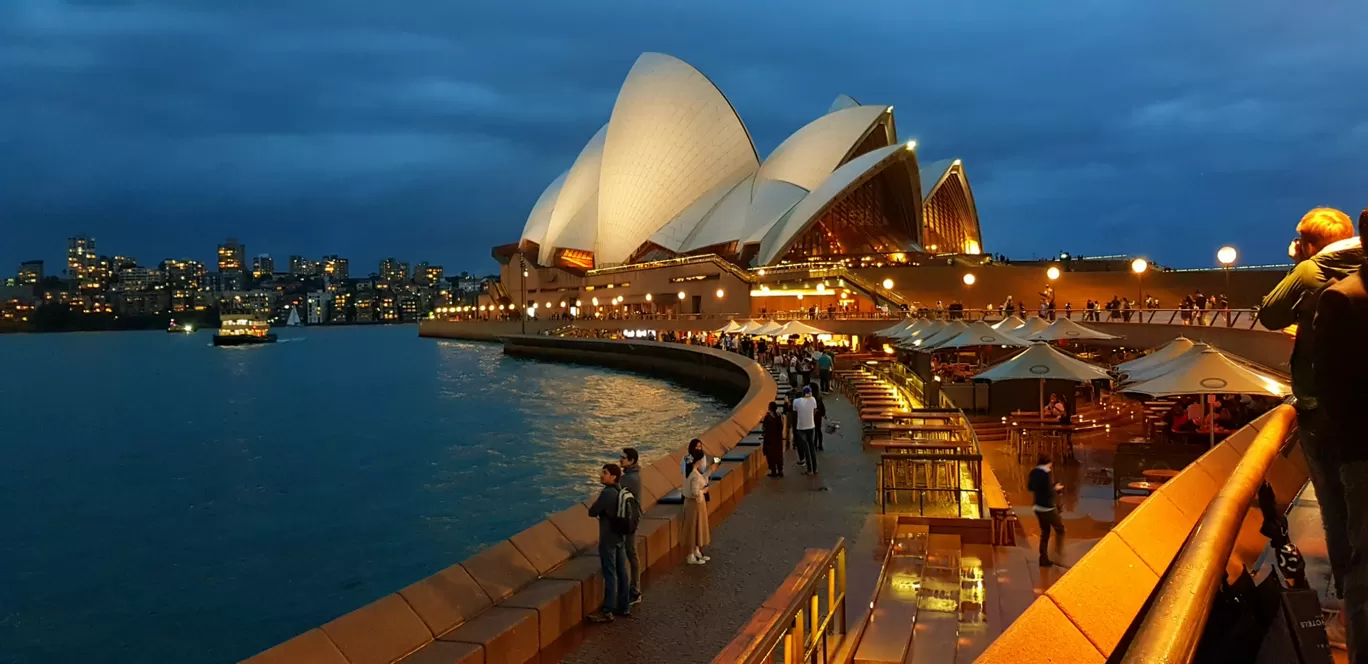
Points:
(674, 173)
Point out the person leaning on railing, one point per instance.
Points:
(1326, 251)
(1341, 362)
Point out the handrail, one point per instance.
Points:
(796, 632)
(1172, 627)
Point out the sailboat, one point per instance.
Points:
(294, 318)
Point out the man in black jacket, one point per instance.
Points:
(1341, 363)
(1326, 251)
(1045, 503)
(612, 554)
(631, 481)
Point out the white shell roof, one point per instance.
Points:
(932, 174)
(842, 101)
(672, 138)
(770, 201)
(540, 217)
(574, 221)
(675, 234)
(802, 214)
(810, 155)
(723, 222)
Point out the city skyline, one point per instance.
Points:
(301, 123)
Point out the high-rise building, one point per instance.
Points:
(428, 275)
(410, 307)
(232, 257)
(319, 304)
(299, 266)
(335, 268)
(30, 273)
(263, 266)
(341, 306)
(186, 280)
(82, 261)
(386, 307)
(135, 279)
(393, 271)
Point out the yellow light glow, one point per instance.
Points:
(969, 279)
(721, 293)
(821, 288)
(648, 297)
(761, 272)
(888, 284)
(562, 304)
(972, 247)
(594, 301)
(681, 295)
(1139, 265)
(579, 303)
(1226, 255)
(1052, 273)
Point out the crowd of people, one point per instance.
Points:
(1324, 303)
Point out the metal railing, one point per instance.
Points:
(1172, 628)
(813, 611)
(1232, 318)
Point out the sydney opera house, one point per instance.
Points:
(674, 173)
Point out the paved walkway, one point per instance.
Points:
(690, 612)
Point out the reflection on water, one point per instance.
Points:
(188, 504)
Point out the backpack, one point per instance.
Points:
(628, 515)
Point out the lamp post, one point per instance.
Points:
(1138, 266)
(522, 305)
(1226, 257)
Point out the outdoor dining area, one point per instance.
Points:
(792, 332)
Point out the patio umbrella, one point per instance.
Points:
(731, 327)
(1064, 329)
(1031, 326)
(1158, 369)
(915, 329)
(798, 327)
(945, 333)
(1041, 361)
(1161, 355)
(921, 331)
(1209, 371)
(896, 327)
(978, 333)
(768, 329)
(1009, 323)
(751, 326)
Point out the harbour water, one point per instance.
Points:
(167, 501)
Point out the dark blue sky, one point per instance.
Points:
(425, 129)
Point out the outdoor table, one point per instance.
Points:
(1147, 487)
(1159, 475)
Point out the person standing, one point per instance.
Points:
(631, 481)
(805, 410)
(1341, 362)
(1044, 502)
(824, 364)
(696, 529)
(1326, 251)
(818, 416)
(612, 555)
(695, 448)
(773, 445)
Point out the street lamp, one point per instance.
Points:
(888, 284)
(1052, 273)
(1138, 266)
(1226, 256)
(969, 279)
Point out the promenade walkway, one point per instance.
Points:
(691, 612)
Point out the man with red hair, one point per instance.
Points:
(1326, 251)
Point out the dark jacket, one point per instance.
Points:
(631, 481)
(773, 435)
(1041, 484)
(1341, 363)
(604, 509)
(1293, 301)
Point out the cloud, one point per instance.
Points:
(427, 129)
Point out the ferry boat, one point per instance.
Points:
(243, 330)
(178, 328)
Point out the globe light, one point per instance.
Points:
(1139, 265)
(720, 293)
(821, 288)
(1226, 255)
(888, 284)
(648, 297)
(969, 279)
(761, 272)
(1052, 273)
(681, 295)
(595, 301)
(562, 304)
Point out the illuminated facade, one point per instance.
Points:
(263, 266)
(334, 267)
(674, 173)
(82, 261)
(30, 273)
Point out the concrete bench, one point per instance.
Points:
(750, 458)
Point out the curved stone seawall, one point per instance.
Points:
(516, 597)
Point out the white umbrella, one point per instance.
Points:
(1208, 371)
(1158, 369)
(1064, 329)
(730, 328)
(978, 333)
(896, 327)
(1041, 361)
(915, 329)
(751, 326)
(946, 332)
(1031, 326)
(920, 331)
(768, 329)
(1163, 354)
(1008, 324)
(798, 327)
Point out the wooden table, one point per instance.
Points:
(1159, 475)
(1147, 487)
